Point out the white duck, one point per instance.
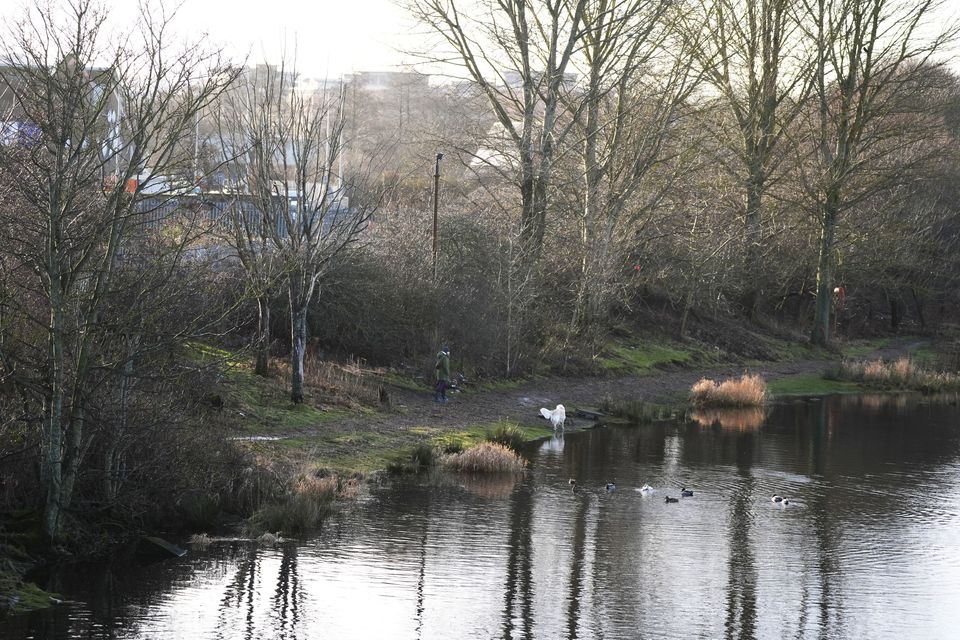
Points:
(646, 489)
(556, 417)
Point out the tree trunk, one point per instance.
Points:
(894, 314)
(52, 472)
(263, 337)
(590, 267)
(751, 263)
(821, 318)
(298, 350)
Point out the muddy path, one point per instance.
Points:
(522, 403)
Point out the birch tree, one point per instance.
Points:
(637, 78)
(284, 154)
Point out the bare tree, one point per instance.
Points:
(637, 79)
(518, 53)
(873, 62)
(755, 56)
(97, 122)
(283, 153)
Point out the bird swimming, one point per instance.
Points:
(669, 499)
(780, 500)
(556, 417)
(686, 493)
(646, 489)
(573, 483)
(611, 486)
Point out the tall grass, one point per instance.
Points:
(902, 373)
(634, 410)
(309, 498)
(486, 457)
(347, 383)
(509, 435)
(747, 391)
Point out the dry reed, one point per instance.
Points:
(348, 384)
(487, 457)
(747, 391)
(901, 373)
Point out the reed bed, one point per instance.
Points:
(747, 391)
(487, 457)
(902, 373)
(308, 499)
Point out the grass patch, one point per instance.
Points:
(503, 384)
(635, 411)
(747, 391)
(901, 374)
(856, 348)
(400, 381)
(507, 434)
(637, 360)
(309, 499)
(810, 384)
(17, 596)
(486, 457)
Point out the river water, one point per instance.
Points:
(870, 548)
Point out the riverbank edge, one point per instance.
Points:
(25, 597)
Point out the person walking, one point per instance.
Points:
(442, 370)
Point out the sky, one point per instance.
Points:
(332, 37)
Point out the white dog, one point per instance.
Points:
(556, 417)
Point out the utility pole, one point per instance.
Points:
(436, 200)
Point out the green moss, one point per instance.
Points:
(497, 385)
(17, 596)
(810, 385)
(637, 360)
(403, 382)
(926, 356)
(856, 348)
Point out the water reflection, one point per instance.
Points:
(874, 550)
(742, 419)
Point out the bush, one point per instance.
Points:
(748, 391)
(487, 457)
(422, 456)
(508, 435)
(200, 512)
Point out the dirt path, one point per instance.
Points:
(522, 404)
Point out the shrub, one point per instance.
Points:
(748, 391)
(198, 512)
(422, 456)
(507, 434)
(487, 457)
